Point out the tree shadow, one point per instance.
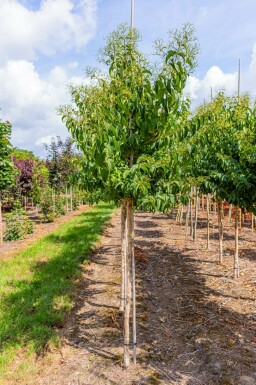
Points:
(33, 307)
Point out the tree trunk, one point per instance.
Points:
(252, 222)
(134, 326)
(1, 222)
(66, 199)
(203, 203)
(236, 259)
(220, 223)
(127, 302)
(191, 212)
(123, 253)
(230, 212)
(187, 216)
(208, 221)
(71, 199)
(240, 218)
(196, 212)
(181, 214)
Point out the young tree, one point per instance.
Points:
(124, 123)
(6, 166)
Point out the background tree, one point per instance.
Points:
(6, 166)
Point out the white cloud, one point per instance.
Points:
(217, 80)
(57, 26)
(29, 101)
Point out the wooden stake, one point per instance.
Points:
(208, 221)
(195, 222)
(220, 223)
(127, 302)
(134, 326)
(123, 253)
(230, 212)
(191, 212)
(236, 258)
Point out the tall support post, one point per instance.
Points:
(196, 213)
(123, 254)
(236, 257)
(208, 221)
(220, 223)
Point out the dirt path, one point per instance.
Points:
(196, 325)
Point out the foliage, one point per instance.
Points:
(61, 162)
(6, 167)
(18, 225)
(222, 150)
(125, 122)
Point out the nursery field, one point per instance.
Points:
(196, 324)
(37, 287)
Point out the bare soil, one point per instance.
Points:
(196, 324)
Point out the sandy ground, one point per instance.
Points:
(196, 325)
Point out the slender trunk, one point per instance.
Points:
(240, 218)
(252, 222)
(123, 253)
(178, 214)
(134, 326)
(1, 222)
(127, 305)
(187, 216)
(71, 199)
(181, 214)
(66, 199)
(220, 223)
(236, 259)
(191, 212)
(53, 200)
(208, 221)
(230, 212)
(203, 203)
(196, 211)
(215, 208)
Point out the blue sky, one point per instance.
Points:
(47, 44)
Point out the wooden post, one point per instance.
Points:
(236, 258)
(220, 223)
(208, 221)
(123, 253)
(71, 199)
(230, 212)
(196, 212)
(191, 212)
(66, 199)
(134, 326)
(127, 301)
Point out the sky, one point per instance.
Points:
(47, 44)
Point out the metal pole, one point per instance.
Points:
(239, 75)
(132, 14)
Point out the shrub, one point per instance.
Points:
(18, 225)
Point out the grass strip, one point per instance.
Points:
(37, 284)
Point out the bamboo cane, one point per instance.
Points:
(236, 257)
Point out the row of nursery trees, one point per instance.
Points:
(144, 149)
(29, 182)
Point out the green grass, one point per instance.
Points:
(37, 284)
